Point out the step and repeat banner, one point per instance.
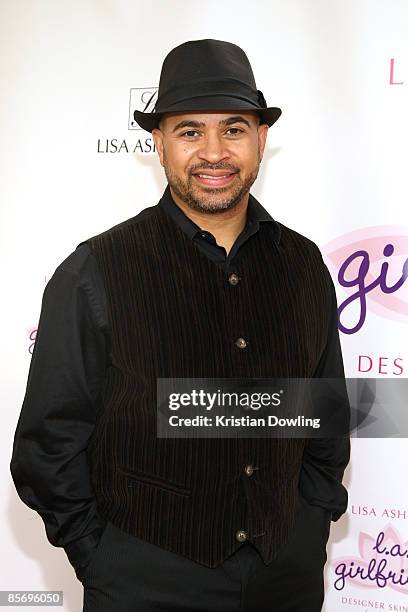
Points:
(74, 163)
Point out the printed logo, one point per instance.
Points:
(383, 562)
(32, 335)
(141, 99)
(371, 265)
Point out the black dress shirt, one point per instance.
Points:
(70, 357)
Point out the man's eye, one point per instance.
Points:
(189, 132)
(236, 129)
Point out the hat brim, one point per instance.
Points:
(149, 121)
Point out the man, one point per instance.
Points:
(204, 284)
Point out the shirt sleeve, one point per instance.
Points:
(325, 459)
(71, 351)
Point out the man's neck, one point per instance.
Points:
(225, 226)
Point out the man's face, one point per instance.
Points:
(197, 147)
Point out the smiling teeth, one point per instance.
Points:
(213, 177)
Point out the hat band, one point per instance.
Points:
(227, 87)
(169, 107)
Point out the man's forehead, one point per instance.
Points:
(210, 117)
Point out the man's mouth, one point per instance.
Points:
(218, 179)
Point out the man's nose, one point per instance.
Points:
(213, 148)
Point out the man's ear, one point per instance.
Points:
(262, 135)
(158, 143)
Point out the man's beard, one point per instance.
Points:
(209, 199)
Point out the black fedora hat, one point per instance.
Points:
(206, 75)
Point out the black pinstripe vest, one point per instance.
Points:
(173, 313)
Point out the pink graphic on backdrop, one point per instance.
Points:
(371, 266)
(392, 82)
(383, 563)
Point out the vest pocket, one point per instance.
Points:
(137, 476)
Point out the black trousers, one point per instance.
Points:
(127, 574)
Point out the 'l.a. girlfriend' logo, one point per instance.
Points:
(383, 562)
(141, 99)
(32, 334)
(372, 266)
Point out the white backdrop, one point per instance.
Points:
(334, 170)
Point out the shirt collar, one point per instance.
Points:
(256, 214)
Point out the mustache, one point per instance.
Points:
(203, 168)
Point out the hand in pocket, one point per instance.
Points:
(84, 571)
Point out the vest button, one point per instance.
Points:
(249, 470)
(233, 279)
(241, 343)
(241, 536)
